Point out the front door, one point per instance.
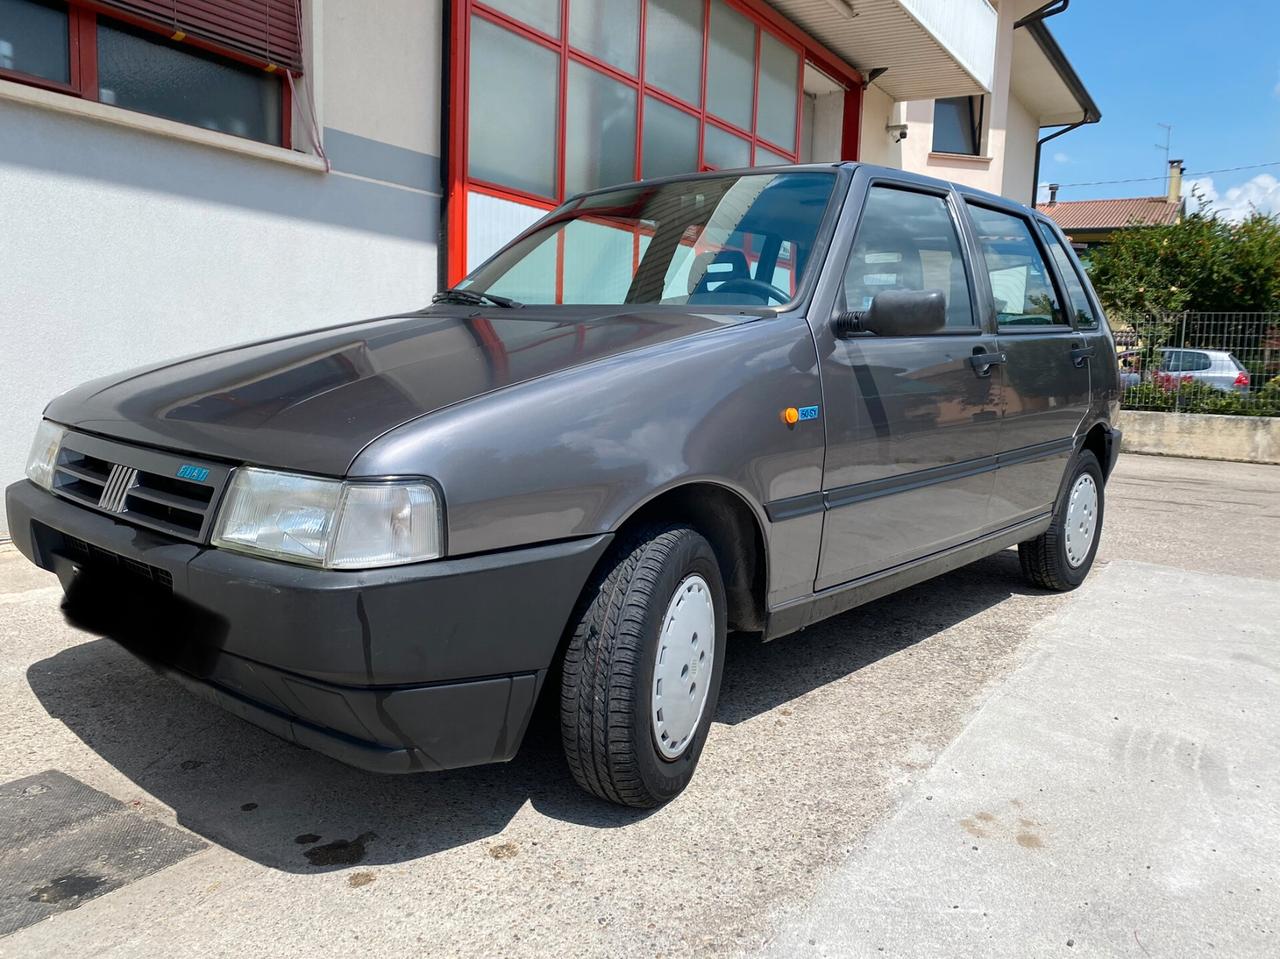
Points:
(1046, 392)
(913, 424)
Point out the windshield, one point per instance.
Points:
(722, 241)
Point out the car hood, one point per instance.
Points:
(312, 401)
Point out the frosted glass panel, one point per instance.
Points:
(33, 40)
(725, 151)
(670, 140)
(608, 30)
(512, 110)
(731, 57)
(673, 48)
(601, 117)
(769, 158)
(541, 14)
(779, 75)
(491, 223)
(152, 76)
(598, 262)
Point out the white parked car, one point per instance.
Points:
(1217, 368)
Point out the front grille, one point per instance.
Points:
(139, 485)
(92, 555)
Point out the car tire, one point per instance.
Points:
(638, 651)
(1060, 558)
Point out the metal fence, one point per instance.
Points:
(1226, 363)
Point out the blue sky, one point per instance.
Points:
(1210, 69)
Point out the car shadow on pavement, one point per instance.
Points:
(291, 809)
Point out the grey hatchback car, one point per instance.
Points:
(740, 401)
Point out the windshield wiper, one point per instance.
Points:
(472, 298)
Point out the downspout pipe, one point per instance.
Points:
(1034, 21)
(1043, 12)
(1035, 176)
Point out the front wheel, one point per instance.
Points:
(1061, 557)
(642, 670)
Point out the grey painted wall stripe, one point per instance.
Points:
(86, 149)
(349, 153)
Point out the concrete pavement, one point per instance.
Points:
(1116, 796)
(825, 750)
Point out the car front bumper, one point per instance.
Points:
(410, 668)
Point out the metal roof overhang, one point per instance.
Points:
(931, 48)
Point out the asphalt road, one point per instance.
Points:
(1110, 753)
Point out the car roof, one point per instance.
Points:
(988, 199)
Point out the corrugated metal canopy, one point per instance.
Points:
(932, 48)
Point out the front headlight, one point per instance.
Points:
(330, 523)
(44, 454)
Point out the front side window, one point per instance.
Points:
(1081, 310)
(723, 241)
(908, 241)
(1184, 361)
(1020, 283)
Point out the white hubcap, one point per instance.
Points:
(1082, 519)
(682, 673)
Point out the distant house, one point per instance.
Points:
(1091, 223)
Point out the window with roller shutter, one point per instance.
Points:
(216, 64)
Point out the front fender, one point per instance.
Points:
(574, 453)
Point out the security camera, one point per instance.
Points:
(898, 131)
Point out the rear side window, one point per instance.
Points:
(1020, 282)
(908, 241)
(1184, 361)
(1081, 311)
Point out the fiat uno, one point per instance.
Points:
(740, 401)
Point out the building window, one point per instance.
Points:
(957, 125)
(563, 96)
(34, 41)
(221, 70)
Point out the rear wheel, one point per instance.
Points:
(1061, 557)
(641, 674)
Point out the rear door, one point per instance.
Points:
(1046, 387)
(913, 424)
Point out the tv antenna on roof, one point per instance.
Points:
(1167, 148)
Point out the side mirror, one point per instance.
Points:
(897, 313)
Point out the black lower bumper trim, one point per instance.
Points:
(430, 666)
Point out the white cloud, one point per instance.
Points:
(1262, 194)
(1061, 157)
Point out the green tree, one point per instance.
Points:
(1204, 264)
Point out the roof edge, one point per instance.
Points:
(1058, 60)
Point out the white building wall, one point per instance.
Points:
(1022, 131)
(874, 140)
(1009, 137)
(127, 244)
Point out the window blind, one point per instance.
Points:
(267, 30)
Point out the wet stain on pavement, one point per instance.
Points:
(340, 852)
(306, 839)
(358, 879)
(66, 888)
(1029, 840)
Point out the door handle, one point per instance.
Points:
(982, 361)
(1081, 353)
